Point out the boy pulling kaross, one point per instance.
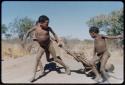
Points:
(42, 37)
(100, 50)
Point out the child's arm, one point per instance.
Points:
(27, 34)
(93, 57)
(112, 37)
(94, 52)
(54, 34)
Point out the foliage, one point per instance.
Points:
(112, 23)
(4, 28)
(8, 36)
(21, 26)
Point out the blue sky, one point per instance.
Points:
(67, 18)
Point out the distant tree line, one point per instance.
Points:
(18, 26)
(112, 23)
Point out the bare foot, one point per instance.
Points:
(98, 79)
(67, 71)
(32, 79)
(42, 72)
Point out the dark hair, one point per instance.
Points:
(43, 18)
(94, 29)
(37, 22)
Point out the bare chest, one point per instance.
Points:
(40, 32)
(100, 45)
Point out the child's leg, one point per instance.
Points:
(40, 67)
(97, 74)
(95, 70)
(52, 51)
(48, 56)
(37, 60)
(103, 62)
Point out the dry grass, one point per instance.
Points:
(14, 49)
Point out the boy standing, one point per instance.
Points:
(42, 36)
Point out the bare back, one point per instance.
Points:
(100, 44)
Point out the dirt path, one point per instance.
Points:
(19, 71)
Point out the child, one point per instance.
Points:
(42, 37)
(100, 49)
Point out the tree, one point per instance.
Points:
(8, 36)
(20, 26)
(112, 23)
(116, 23)
(4, 28)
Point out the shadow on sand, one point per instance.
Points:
(82, 71)
(48, 68)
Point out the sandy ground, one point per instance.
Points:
(19, 70)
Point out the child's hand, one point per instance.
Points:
(120, 36)
(60, 44)
(92, 62)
